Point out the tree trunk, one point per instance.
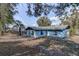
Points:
(1, 33)
(19, 31)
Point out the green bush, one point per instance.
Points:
(72, 31)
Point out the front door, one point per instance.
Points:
(31, 33)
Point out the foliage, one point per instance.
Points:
(6, 14)
(72, 31)
(38, 9)
(19, 25)
(43, 21)
(72, 21)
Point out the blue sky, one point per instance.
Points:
(31, 21)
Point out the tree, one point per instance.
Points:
(43, 21)
(74, 20)
(6, 15)
(38, 9)
(20, 26)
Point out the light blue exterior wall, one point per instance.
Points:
(62, 34)
(51, 33)
(38, 33)
(29, 33)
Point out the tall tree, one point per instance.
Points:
(72, 21)
(74, 18)
(6, 14)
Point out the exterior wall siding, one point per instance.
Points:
(55, 34)
(38, 33)
(29, 33)
(51, 33)
(62, 34)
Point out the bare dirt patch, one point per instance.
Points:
(61, 47)
(12, 49)
(32, 43)
(75, 38)
(11, 44)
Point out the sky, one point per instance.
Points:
(31, 21)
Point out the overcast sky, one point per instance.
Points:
(31, 21)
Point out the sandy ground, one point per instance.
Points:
(24, 41)
(11, 44)
(13, 37)
(75, 38)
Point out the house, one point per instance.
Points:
(53, 31)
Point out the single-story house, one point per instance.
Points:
(53, 31)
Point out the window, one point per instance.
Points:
(32, 33)
(55, 33)
(41, 32)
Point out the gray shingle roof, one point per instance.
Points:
(59, 27)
